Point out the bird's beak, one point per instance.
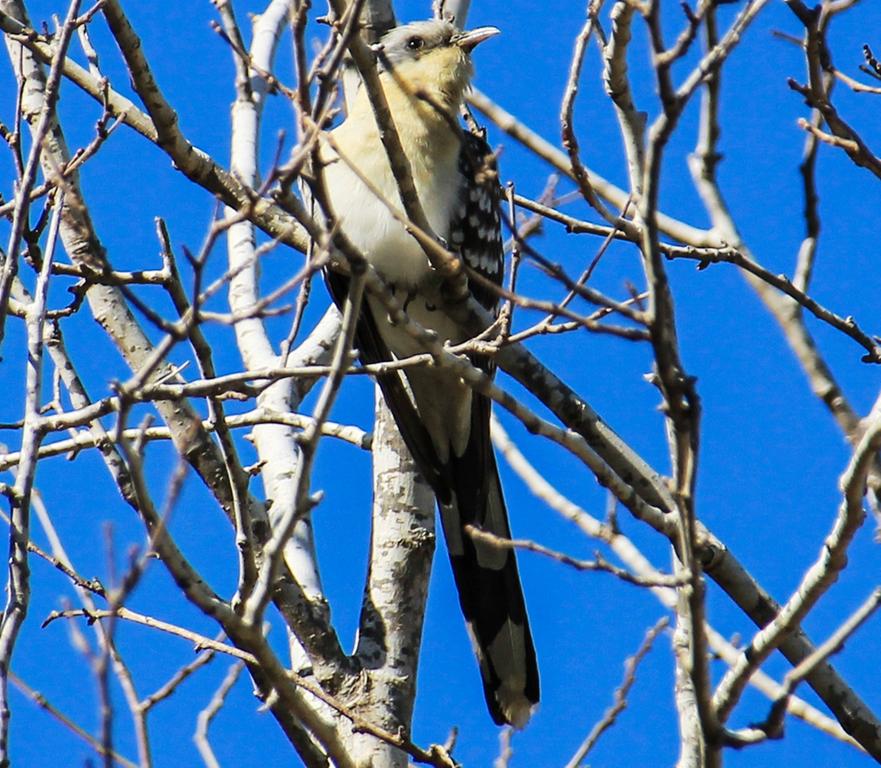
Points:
(467, 40)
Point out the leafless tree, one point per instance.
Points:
(167, 323)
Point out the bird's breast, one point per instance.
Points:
(364, 214)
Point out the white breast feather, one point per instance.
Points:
(366, 219)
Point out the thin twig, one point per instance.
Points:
(620, 703)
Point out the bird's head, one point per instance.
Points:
(432, 57)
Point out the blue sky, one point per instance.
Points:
(771, 455)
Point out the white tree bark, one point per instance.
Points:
(392, 612)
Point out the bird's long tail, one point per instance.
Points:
(487, 580)
(469, 493)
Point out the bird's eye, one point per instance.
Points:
(415, 43)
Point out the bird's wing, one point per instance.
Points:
(476, 228)
(486, 576)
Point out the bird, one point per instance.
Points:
(425, 70)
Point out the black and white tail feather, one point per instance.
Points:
(464, 476)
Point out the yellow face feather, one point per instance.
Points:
(440, 77)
